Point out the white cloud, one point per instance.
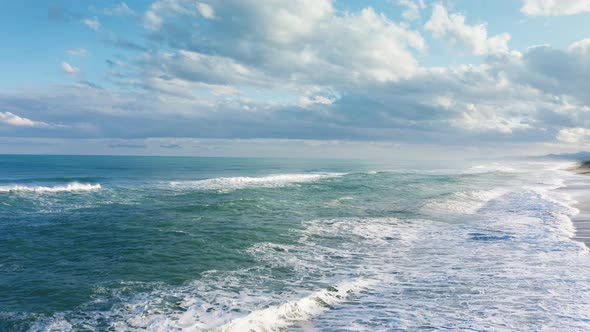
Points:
(413, 8)
(581, 47)
(554, 7)
(205, 10)
(188, 71)
(295, 41)
(472, 38)
(81, 52)
(15, 120)
(151, 20)
(307, 101)
(120, 9)
(153, 17)
(93, 23)
(69, 69)
(498, 43)
(485, 118)
(573, 135)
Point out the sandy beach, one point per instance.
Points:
(579, 191)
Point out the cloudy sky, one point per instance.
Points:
(342, 78)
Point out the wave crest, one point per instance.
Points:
(279, 317)
(464, 202)
(243, 182)
(74, 186)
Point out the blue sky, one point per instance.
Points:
(319, 77)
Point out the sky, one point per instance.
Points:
(403, 79)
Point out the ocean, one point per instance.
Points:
(103, 243)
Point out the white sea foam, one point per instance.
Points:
(74, 186)
(52, 325)
(279, 317)
(235, 183)
(371, 230)
(463, 202)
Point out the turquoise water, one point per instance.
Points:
(192, 244)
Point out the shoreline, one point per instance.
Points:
(579, 191)
(583, 168)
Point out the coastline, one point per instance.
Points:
(579, 191)
(583, 168)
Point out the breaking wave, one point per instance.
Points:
(276, 318)
(74, 186)
(464, 202)
(236, 183)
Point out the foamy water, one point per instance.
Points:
(463, 202)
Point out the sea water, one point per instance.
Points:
(229, 244)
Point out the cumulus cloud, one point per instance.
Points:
(199, 67)
(452, 29)
(581, 47)
(69, 69)
(206, 10)
(554, 7)
(153, 17)
(573, 135)
(11, 119)
(413, 8)
(93, 23)
(554, 71)
(152, 20)
(293, 41)
(485, 118)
